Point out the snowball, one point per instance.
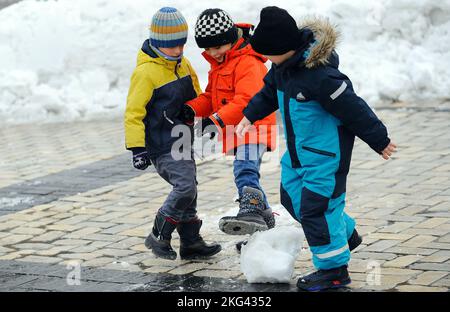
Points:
(269, 256)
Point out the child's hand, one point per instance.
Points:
(243, 127)
(387, 152)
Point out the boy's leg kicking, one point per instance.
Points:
(307, 195)
(254, 211)
(179, 211)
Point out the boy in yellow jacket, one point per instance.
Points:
(160, 85)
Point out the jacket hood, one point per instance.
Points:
(241, 47)
(326, 39)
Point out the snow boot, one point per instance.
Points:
(192, 245)
(159, 238)
(270, 221)
(355, 240)
(250, 217)
(325, 279)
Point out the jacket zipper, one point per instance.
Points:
(165, 112)
(317, 151)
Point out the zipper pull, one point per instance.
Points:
(168, 119)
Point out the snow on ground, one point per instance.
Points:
(72, 60)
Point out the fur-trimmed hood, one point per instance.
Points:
(326, 39)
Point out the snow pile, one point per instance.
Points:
(70, 60)
(269, 256)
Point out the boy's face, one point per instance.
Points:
(173, 52)
(278, 59)
(218, 53)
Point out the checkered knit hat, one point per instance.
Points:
(168, 28)
(214, 28)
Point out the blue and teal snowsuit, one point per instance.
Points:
(321, 116)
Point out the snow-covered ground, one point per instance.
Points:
(72, 59)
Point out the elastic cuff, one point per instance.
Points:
(138, 150)
(247, 113)
(191, 108)
(379, 148)
(218, 119)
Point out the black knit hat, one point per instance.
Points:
(277, 32)
(214, 28)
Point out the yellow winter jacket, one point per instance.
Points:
(158, 90)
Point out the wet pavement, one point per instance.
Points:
(74, 213)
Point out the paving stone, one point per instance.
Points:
(158, 269)
(418, 288)
(14, 239)
(381, 245)
(374, 255)
(439, 256)
(188, 268)
(83, 232)
(10, 281)
(27, 231)
(99, 262)
(49, 236)
(402, 261)
(431, 266)
(419, 241)
(390, 236)
(217, 273)
(432, 223)
(41, 259)
(445, 282)
(428, 278)
(33, 246)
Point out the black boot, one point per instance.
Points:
(250, 217)
(159, 238)
(355, 240)
(325, 279)
(192, 245)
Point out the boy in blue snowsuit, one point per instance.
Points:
(321, 116)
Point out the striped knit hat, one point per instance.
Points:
(168, 28)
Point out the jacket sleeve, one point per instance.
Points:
(202, 105)
(248, 80)
(337, 97)
(265, 102)
(139, 95)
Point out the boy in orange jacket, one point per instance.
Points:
(236, 75)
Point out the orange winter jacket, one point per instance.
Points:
(231, 85)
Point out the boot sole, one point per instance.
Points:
(148, 244)
(201, 257)
(240, 227)
(329, 285)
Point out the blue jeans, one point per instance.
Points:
(246, 167)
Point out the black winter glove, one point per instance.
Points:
(187, 115)
(208, 125)
(141, 160)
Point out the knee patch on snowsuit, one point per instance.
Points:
(314, 223)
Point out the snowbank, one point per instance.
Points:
(71, 60)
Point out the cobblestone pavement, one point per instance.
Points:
(72, 205)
